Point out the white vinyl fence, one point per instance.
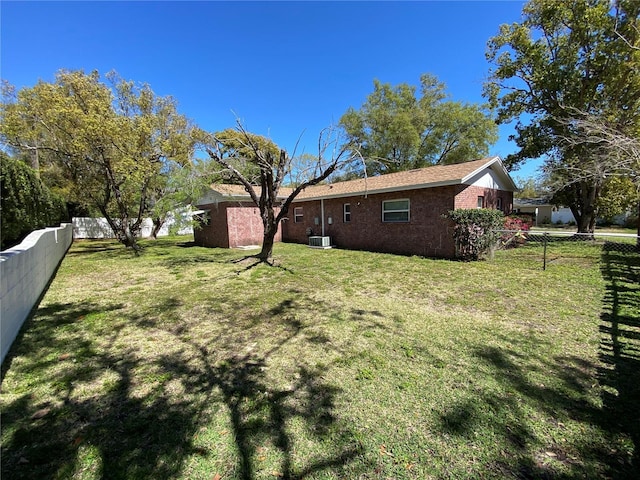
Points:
(86, 227)
(25, 272)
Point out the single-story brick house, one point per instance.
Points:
(395, 213)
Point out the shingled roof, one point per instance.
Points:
(435, 176)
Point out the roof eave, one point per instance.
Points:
(361, 193)
(502, 172)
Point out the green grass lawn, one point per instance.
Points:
(196, 363)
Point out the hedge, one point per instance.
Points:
(26, 203)
(475, 231)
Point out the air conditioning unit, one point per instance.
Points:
(320, 242)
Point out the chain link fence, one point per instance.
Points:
(558, 246)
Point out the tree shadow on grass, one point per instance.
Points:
(225, 257)
(50, 317)
(620, 347)
(568, 397)
(565, 399)
(113, 412)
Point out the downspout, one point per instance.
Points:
(322, 214)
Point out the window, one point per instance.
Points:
(347, 212)
(480, 202)
(499, 203)
(395, 210)
(297, 215)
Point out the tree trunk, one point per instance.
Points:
(35, 161)
(583, 206)
(127, 236)
(586, 223)
(129, 240)
(268, 239)
(267, 248)
(157, 226)
(123, 231)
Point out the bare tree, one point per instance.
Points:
(274, 169)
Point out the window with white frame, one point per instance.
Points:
(297, 215)
(395, 210)
(347, 212)
(480, 201)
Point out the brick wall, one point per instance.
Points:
(216, 233)
(467, 197)
(245, 225)
(426, 233)
(234, 224)
(231, 225)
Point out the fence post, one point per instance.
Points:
(544, 261)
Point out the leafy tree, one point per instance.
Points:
(235, 145)
(274, 168)
(530, 188)
(112, 142)
(619, 195)
(562, 58)
(26, 204)
(396, 130)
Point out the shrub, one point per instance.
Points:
(475, 231)
(518, 222)
(26, 203)
(515, 226)
(631, 222)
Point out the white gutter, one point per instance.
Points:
(322, 214)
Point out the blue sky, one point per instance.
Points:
(285, 69)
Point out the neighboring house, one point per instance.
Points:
(539, 208)
(543, 211)
(396, 213)
(562, 215)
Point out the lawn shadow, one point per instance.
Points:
(103, 248)
(233, 370)
(224, 257)
(568, 397)
(620, 345)
(251, 261)
(505, 413)
(134, 425)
